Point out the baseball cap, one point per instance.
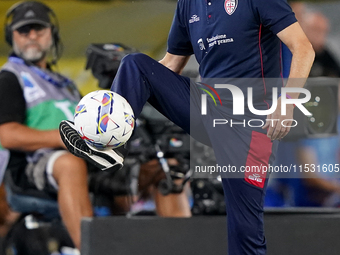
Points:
(30, 13)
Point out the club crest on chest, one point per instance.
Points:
(230, 6)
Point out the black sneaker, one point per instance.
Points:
(103, 159)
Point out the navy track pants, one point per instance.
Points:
(141, 79)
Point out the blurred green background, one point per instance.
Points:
(143, 25)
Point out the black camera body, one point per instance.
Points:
(103, 59)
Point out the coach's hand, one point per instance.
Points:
(276, 129)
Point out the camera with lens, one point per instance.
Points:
(104, 59)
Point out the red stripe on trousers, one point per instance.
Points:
(258, 155)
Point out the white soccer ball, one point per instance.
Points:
(104, 119)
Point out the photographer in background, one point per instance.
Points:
(320, 189)
(309, 188)
(158, 157)
(33, 101)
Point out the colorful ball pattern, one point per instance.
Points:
(104, 119)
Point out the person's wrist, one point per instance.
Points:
(288, 97)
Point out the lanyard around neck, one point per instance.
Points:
(63, 82)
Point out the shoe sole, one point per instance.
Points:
(105, 160)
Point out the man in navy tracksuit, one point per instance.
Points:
(230, 39)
